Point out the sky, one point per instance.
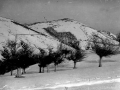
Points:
(98, 14)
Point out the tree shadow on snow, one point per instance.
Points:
(62, 69)
(102, 61)
(32, 72)
(20, 77)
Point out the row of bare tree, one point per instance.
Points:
(17, 56)
(22, 56)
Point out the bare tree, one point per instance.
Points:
(76, 56)
(9, 54)
(58, 56)
(7, 61)
(25, 56)
(42, 56)
(16, 59)
(102, 47)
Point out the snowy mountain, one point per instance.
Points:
(82, 32)
(38, 34)
(11, 30)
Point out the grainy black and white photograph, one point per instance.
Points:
(59, 44)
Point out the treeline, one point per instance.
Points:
(17, 56)
(21, 55)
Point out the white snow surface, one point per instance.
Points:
(8, 30)
(81, 31)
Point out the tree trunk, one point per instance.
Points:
(18, 73)
(23, 71)
(47, 68)
(11, 72)
(40, 69)
(100, 62)
(74, 65)
(43, 69)
(55, 67)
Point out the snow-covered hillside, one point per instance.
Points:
(82, 32)
(12, 30)
(40, 38)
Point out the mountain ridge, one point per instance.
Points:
(82, 32)
(9, 29)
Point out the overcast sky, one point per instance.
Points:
(99, 14)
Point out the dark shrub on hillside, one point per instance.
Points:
(65, 37)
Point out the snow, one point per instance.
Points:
(81, 31)
(8, 30)
(87, 73)
(87, 70)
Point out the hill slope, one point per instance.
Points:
(10, 29)
(82, 32)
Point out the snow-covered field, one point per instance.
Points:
(87, 72)
(87, 76)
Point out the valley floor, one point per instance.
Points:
(87, 76)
